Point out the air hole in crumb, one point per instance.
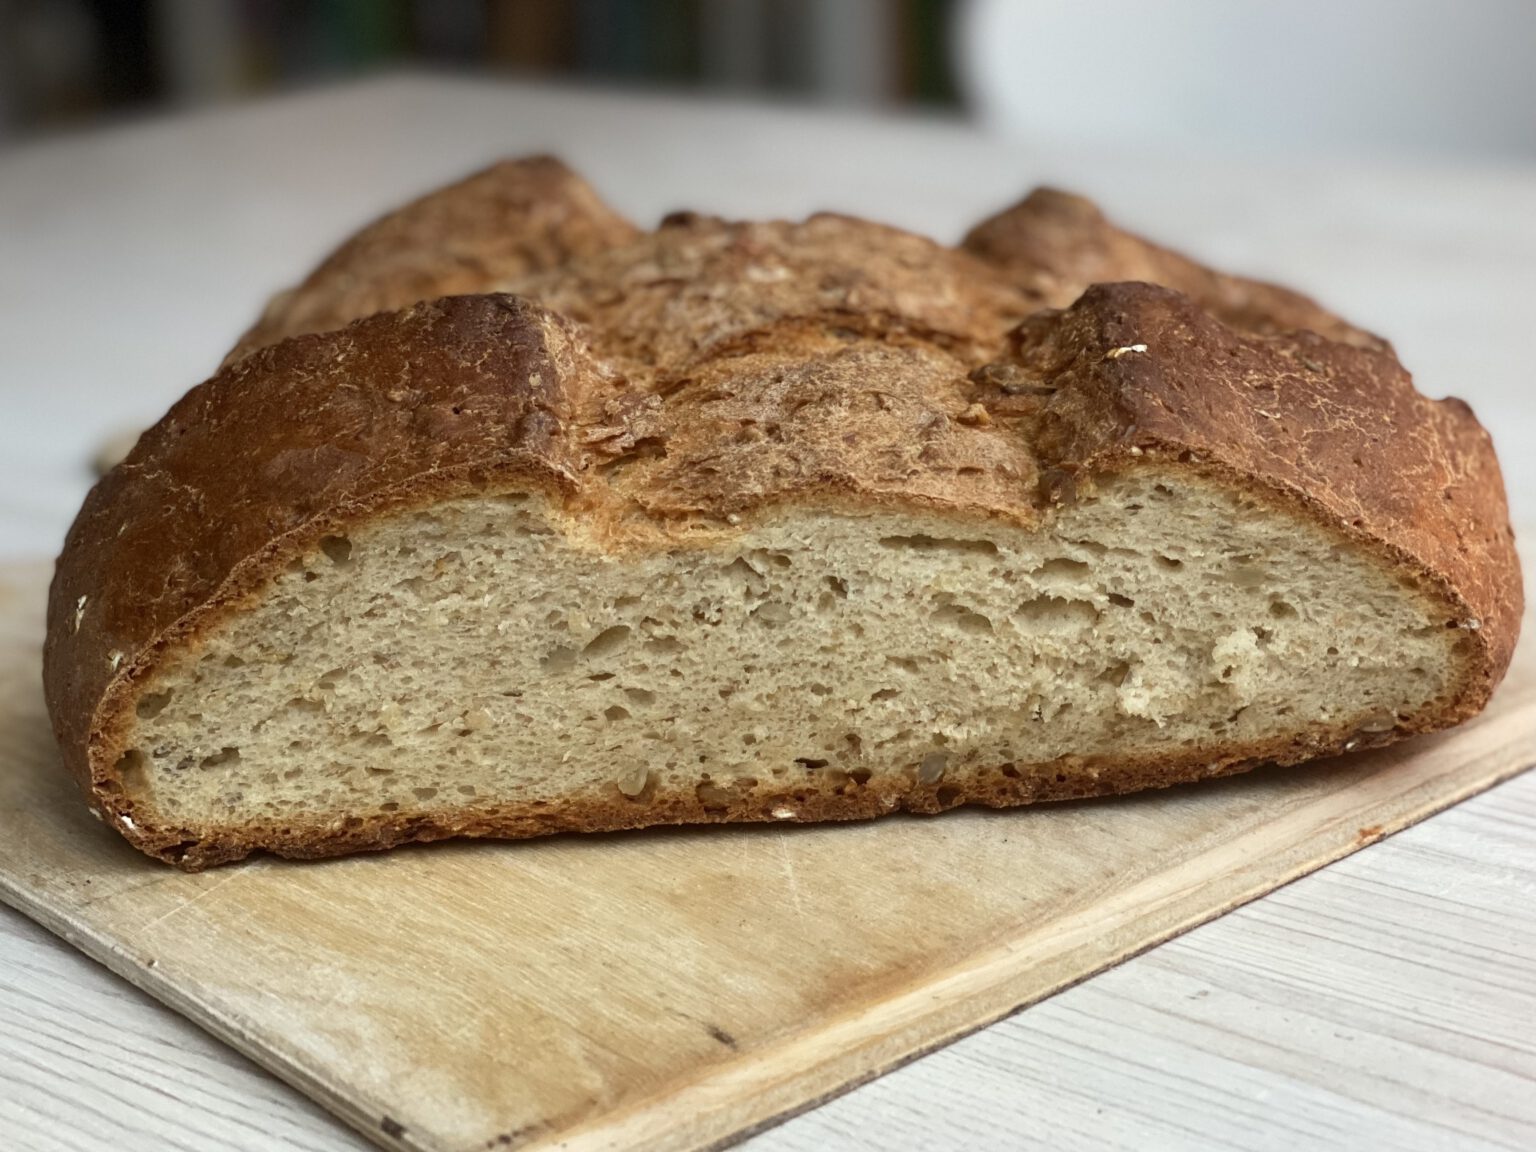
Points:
(226, 755)
(1281, 610)
(1009, 771)
(855, 744)
(810, 762)
(424, 793)
(960, 617)
(749, 739)
(771, 613)
(607, 642)
(905, 663)
(1116, 673)
(337, 549)
(233, 662)
(860, 776)
(616, 712)
(601, 676)
(130, 769)
(820, 690)
(922, 543)
(1061, 569)
(641, 695)
(886, 694)
(948, 794)
(1120, 601)
(389, 806)
(1052, 613)
(713, 797)
(664, 644)
(558, 660)
(838, 585)
(1170, 562)
(468, 790)
(152, 704)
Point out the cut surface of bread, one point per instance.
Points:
(776, 521)
(487, 664)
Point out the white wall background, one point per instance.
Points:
(1372, 77)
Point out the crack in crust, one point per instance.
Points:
(670, 384)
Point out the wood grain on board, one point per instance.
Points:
(674, 989)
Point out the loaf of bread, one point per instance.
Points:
(515, 519)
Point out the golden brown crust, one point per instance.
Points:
(1055, 244)
(514, 218)
(699, 285)
(734, 367)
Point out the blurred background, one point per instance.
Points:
(1373, 77)
(166, 165)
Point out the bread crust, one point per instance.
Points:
(1056, 245)
(712, 373)
(512, 219)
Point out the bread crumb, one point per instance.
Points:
(977, 415)
(80, 611)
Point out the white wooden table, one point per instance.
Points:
(1386, 1002)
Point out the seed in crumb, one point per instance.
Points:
(783, 813)
(931, 770)
(633, 782)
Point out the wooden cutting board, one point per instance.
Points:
(674, 989)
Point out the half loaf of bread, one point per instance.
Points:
(514, 519)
